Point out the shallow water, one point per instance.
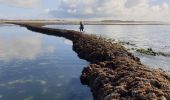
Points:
(39, 67)
(156, 37)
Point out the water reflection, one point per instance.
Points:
(22, 47)
(39, 67)
(68, 42)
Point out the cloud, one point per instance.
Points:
(22, 3)
(112, 9)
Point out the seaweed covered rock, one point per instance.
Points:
(125, 79)
(117, 74)
(96, 49)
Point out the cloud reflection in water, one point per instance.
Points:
(22, 47)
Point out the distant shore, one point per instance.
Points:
(75, 22)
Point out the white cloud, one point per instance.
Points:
(22, 3)
(113, 9)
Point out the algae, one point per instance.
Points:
(148, 51)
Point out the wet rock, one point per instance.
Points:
(163, 98)
(167, 77)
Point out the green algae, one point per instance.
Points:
(126, 43)
(148, 51)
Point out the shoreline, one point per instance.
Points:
(114, 73)
(62, 22)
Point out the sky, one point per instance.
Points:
(148, 10)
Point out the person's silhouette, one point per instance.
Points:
(81, 26)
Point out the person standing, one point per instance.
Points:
(81, 26)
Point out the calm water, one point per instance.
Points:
(39, 67)
(156, 37)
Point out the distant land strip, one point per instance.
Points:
(76, 22)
